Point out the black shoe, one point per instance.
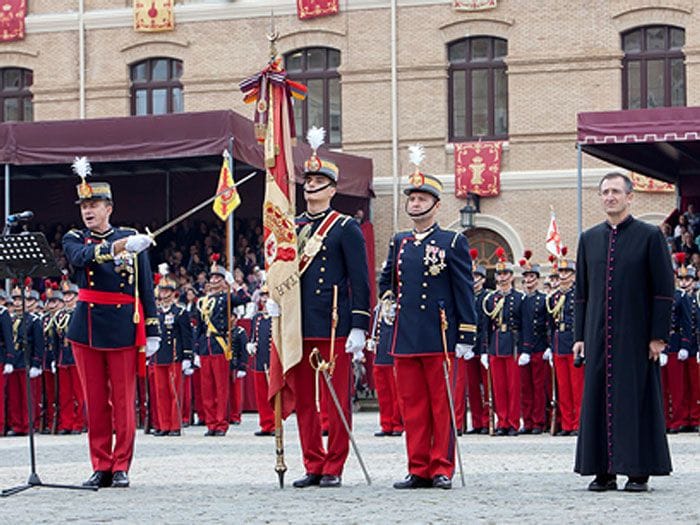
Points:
(397, 433)
(512, 432)
(324, 433)
(484, 431)
(264, 433)
(75, 432)
(603, 483)
(460, 432)
(562, 433)
(381, 433)
(525, 431)
(442, 482)
(413, 482)
(536, 430)
(573, 433)
(236, 423)
(14, 433)
(637, 484)
(672, 431)
(307, 481)
(174, 433)
(63, 432)
(160, 433)
(329, 481)
(210, 432)
(474, 431)
(46, 431)
(501, 432)
(99, 478)
(219, 433)
(120, 479)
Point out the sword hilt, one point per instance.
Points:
(151, 235)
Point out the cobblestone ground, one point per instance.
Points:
(193, 479)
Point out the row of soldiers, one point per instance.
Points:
(521, 377)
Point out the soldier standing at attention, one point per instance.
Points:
(114, 319)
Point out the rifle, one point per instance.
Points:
(489, 388)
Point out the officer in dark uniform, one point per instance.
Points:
(476, 376)
(6, 354)
(533, 368)
(503, 308)
(259, 346)
(560, 307)
(17, 416)
(428, 274)
(175, 350)
(332, 262)
(115, 318)
(71, 401)
(212, 347)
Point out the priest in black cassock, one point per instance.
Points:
(624, 293)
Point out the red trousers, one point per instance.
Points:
(387, 396)
(214, 376)
(459, 391)
(17, 418)
(569, 390)
(318, 460)
(683, 387)
(505, 379)
(673, 390)
(420, 382)
(70, 399)
(153, 412)
(266, 416)
(532, 391)
(477, 393)
(2, 403)
(109, 384)
(186, 398)
(235, 394)
(167, 386)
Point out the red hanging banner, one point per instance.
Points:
(307, 9)
(648, 185)
(478, 168)
(153, 15)
(473, 5)
(12, 13)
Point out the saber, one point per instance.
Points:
(199, 206)
(489, 386)
(319, 365)
(555, 400)
(445, 367)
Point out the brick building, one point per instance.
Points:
(540, 63)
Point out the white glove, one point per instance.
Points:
(197, 361)
(697, 357)
(138, 243)
(189, 371)
(547, 355)
(682, 354)
(272, 308)
(186, 365)
(152, 345)
(461, 350)
(524, 359)
(9, 368)
(485, 361)
(663, 359)
(240, 374)
(355, 342)
(34, 372)
(53, 367)
(228, 276)
(251, 348)
(469, 354)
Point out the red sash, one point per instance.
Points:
(114, 298)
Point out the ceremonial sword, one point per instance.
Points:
(199, 206)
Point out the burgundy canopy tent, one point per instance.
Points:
(134, 154)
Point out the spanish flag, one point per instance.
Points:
(228, 198)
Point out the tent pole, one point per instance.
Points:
(81, 56)
(579, 188)
(7, 210)
(229, 221)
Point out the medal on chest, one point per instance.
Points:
(434, 259)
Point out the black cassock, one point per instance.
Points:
(624, 293)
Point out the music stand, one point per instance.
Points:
(21, 256)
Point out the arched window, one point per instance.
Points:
(155, 87)
(317, 68)
(653, 69)
(15, 94)
(478, 89)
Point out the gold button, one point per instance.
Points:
(425, 274)
(91, 272)
(320, 280)
(322, 269)
(92, 283)
(422, 307)
(121, 285)
(425, 285)
(399, 272)
(318, 292)
(323, 258)
(423, 296)
(119, 306)
(92, 305)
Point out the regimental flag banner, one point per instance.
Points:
(477, 168)
(153, 15)
(648, 185)
(553, 240)
(228, 198)
(12, 13)
(307, 9)
(473, 5)
(272, 93)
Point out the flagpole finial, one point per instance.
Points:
(272, 36)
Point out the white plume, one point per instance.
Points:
(82, 167)
(315, 137)
(416, 154)
(163, 269)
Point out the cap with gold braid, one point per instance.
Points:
(92, 190)
(564, 263)
(419, 181)
(477, 268)
(163, 279)
(554, 272)
(315, 165)
(503, 265)
(216, 268)
(683, 270)
(527, 266)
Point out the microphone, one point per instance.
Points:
(20, 217)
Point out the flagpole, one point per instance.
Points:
(229, 255)
(579, 188)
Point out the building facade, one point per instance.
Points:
(519, 73)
